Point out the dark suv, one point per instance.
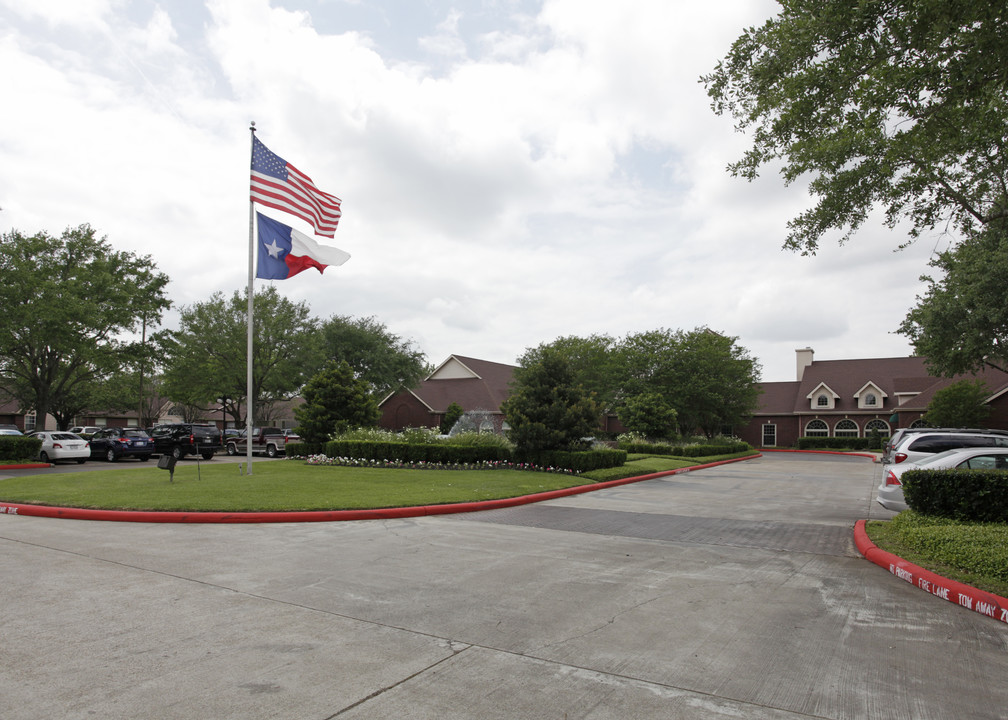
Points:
(181, 439)
(114, 443)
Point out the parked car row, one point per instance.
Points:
(937, 449)
(112, 444)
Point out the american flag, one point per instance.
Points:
(278, 184)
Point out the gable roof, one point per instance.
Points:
(472, 383)
(903, 382)
(848, 377)
(996, 382)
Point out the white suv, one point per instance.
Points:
(913, 446)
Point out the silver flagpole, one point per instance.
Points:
(248, 386)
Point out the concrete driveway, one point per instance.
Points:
(731, 592)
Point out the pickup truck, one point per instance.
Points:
(270, 441)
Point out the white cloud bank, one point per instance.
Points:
(511, 172)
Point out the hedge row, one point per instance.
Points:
(15, 448)
(974, 495)
(840, 443)
(723, 448)
(578, 461)
(448, 454)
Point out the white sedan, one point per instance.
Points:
(890, 492)
(62, 445)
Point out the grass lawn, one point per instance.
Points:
(290, 485)
(972, 553)
(274, 486)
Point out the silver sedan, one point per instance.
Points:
(890, 492)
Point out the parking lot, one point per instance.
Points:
(729, 592)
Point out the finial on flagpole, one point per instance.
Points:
(253, 126)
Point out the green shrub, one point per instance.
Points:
(578, 461)
(974, 495)
(977, 548)
(440, 453)
(462, 448)
(17, 448)
(833, 443)
(722, 447)
(303, 449)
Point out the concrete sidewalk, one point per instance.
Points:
(729, 592)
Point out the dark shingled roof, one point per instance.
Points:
(904, 381)
(847, 377)
(472, 383)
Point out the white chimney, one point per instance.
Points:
(804, 358)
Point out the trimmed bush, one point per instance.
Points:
(443, 453)
(720, 448)
(18, 448)
(576, 460)
(302, 448)
(461, 449)
(974, 495)
(833, 443)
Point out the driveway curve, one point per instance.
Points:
(734, 591)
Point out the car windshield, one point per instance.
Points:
(134, 433)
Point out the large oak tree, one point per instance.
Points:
(899, 105)
(206, 358)
(70, 306)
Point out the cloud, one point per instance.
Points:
(511, 172)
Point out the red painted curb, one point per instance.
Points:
(328, 515)
(959, 593)
(25, 466)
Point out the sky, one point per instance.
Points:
(511, 171)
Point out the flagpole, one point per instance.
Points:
(248, 385)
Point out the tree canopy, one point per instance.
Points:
(206, 358)
(335, 401)
(382, 359)
(898, 104)
(961, 404)
(592, 359)
(960, 323)
(709, 380)
(697, 380)
(78, 300)
(547, 410)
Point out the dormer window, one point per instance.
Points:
(870, 396)
(822, 397)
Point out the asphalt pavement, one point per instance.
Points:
(728, 592)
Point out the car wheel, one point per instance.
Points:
(176, 452)
(80, 461)
(208, 456)
(43, 456)
(271, 451)
(110, 455)
(144, 458)
(232, 449)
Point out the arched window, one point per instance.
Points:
(919, 422)
(880, 425)
(822, 400)
(816, 428)
(870, 400)
(846, 428)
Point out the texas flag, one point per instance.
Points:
(284, 252)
